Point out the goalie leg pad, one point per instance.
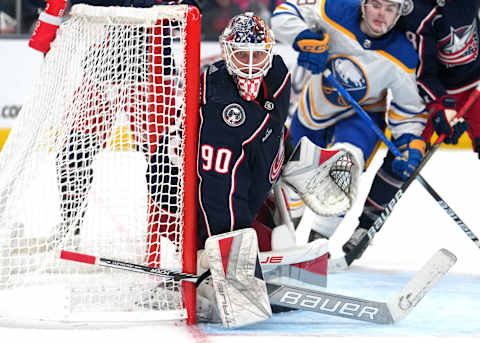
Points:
(240, 290)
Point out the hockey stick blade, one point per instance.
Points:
(330, 304)
(367, 310)
(421, 283)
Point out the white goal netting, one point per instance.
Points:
(97, 162)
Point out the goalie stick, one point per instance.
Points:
(128, 266)
(343, 262)
(318, 301)
(367, 310)
(268, 260)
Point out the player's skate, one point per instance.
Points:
(354, 241)
(326, 179)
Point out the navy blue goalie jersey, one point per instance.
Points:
(241, 147)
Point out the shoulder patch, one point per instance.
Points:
(234, 115)
(212, 68)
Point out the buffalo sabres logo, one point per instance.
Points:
(349, 75)
(234, 115)
(460, 46)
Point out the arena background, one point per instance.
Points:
(16, 83)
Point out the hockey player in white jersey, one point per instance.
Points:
(357, 42)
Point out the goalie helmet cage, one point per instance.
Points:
(102, 160)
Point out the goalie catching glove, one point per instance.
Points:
(413, 149)
(326, 180)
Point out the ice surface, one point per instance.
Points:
(417, 228)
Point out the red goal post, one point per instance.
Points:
(102, 160)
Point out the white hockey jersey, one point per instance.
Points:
(365, 66)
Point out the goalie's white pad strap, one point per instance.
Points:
(283, 238)
(240, 290)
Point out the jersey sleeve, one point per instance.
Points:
(407, 113)
(429, 84)
(293, 17)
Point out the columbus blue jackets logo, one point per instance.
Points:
(460, 46)
(233, 115)
(349, 75)
(276, 167)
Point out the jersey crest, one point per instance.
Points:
(348, 74)
(276, 167)
(234, 115)
(460, 46)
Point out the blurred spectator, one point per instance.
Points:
(216, 16)
(7, 23)
(8, 13)
(217, 13)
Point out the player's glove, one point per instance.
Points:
(313, 50)
(413, 149)
(443, 111)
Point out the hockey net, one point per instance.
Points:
(102, 160)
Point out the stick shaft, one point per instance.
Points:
(132, 267)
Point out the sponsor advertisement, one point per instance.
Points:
(9, 112)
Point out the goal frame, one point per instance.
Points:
(192, 65)
(190, 37)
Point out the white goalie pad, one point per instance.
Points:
(326, 179)
(295, 265)
(240, 290)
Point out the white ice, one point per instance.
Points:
(417, 228)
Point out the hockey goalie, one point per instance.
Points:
(242, 150)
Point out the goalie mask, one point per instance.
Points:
(405, 7)
(247, 44)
